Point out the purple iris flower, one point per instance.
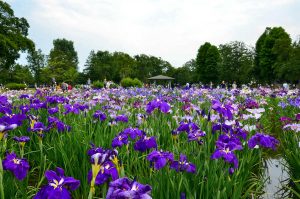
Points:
(251, 103)
(187, 127)
(133, 133)
(158, 104)
(107, 170)
(196, 136)
(239, 132)
(221, 127)
(294, 101)
(53, 110)
(13, 119)
(56, 99)
(19, 167)
(99, 115)
(5, 110)
(160, 158)
(145, 143)
(227, 155)
(164, 107)
(282, 104)
(119, 140)
(104, 165)
(5, 106)
(71, 109)
(58, 185)
(225, 141)
(297, 116)
(121, 118)
(22, 139)
(24, 108)
(183, 165)
(6, 127)
(39, 105)
(263, 140)
(103, 155)
(56, 123)
(285, 120)
(39, 128)
(223, 109)
(125, 188)
(24, 96)
(226, 145)
(3, 100)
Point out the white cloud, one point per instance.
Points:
(171, 29)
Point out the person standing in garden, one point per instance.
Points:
(285, 86)
(234, 85)
(223, 85)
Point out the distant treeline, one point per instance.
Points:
(275, 58)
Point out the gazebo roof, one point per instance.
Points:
(161, 77)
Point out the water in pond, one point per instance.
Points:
(275, 173)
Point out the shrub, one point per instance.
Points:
(113, 85)
(137, 83)
(128, 82)
(15, 86)
(98, 84)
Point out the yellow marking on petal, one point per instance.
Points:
(32, 123)
(16, 161)
(227, 150)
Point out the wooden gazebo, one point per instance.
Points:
(162, 77)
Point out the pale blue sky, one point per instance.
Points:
(170, 29)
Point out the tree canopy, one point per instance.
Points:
(271, 54)
(13, 38)
(275, 58)
(63, 61)
(207, 63)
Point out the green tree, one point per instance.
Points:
(237, 62)
(13, 37)
(36, 62)
(19, 74)
(148, 66)
(122, 65)
(63, 61)
(291, 71)
(207, 63)
(98, 66)
(186, 73)
(272, 54)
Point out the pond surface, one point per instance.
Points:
(275, 174)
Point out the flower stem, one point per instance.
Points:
(1, 180)
(91, 193)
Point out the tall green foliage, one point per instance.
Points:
(13, 39)
(291, 70)
(271, 54)
(63, 61)
(207, 63)
(98, 66)
(118, 65)
(36, 62)
(148, 66)
(237, 62)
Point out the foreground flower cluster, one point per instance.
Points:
(144, 139)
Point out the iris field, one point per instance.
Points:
(147, 142)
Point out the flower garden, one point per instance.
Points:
(147, 142)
